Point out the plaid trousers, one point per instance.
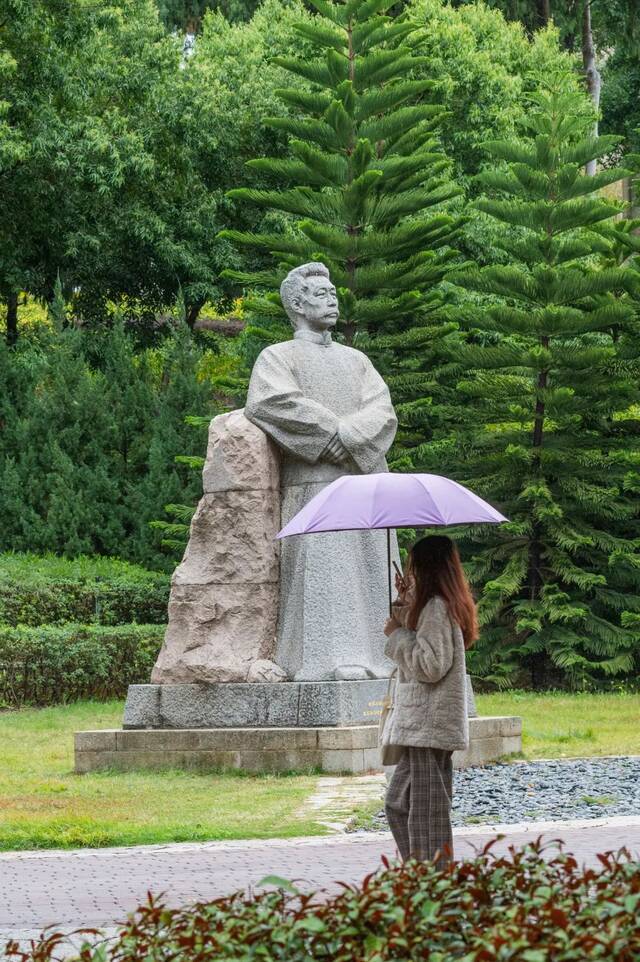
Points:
(418, 804)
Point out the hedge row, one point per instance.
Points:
(518, 908)
(50, 665)
(37, 590)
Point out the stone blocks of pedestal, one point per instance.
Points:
(223, 606)
(288, 704)
(337, 749)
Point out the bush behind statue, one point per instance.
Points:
(518, 907)
(40, 590)
(49, 664)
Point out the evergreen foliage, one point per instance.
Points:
(616, 35)
(544, 424)
(46, 590)
(54, 664)
(117, 183)
(188, 14)
(91, 431)
(366, 181)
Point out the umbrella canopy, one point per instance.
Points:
(354, 502)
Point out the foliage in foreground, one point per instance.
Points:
(516, 908)
(51, 664)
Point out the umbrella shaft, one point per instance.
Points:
(389, 570)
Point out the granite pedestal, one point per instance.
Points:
(291, 726)
(303, 704)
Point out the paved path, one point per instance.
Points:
(99, 886)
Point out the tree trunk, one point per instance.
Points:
(538, 662)
(191, 313)
(227, 326)
(353, 231)
(592, 74)
(544, 11)
(12, 319)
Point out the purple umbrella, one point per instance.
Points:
(387, 500)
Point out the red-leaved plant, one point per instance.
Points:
(533, 905)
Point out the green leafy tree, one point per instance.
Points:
(606, 35)
(484, 67)
(546, 383)
(366, 183)
(365, 190)
(60, 466)
(613, 21)
(621, 96)
(116, 183)
(73, 147)
(481, 66)
(188, 14)
(169, 477)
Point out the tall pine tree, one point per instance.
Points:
(365, 189)
(545, 423)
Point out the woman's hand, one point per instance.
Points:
(400, 613)
(401, 588)
(391, 625)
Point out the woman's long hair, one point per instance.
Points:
(436, 569)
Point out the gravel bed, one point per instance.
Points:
(542, 791)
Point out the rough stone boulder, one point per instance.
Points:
(223, 606)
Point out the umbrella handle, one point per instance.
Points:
(389, 571)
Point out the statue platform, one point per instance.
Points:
(352, 749)
(330, 726)
(288, 704)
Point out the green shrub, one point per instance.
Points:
(38, 590)
(519, 907)
(50, 664)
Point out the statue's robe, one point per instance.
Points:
(333, 586)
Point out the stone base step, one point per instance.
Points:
(350, 749)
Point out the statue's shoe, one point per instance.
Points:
(265, 671)
(382, 671)
(351, 673)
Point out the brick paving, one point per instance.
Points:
(99, 887)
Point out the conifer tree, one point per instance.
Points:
(168, 478)
(91, 431)
(545, 425)
(364, 187)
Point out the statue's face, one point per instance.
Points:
(318, 304)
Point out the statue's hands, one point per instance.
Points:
(335, 451)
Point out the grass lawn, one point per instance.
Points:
(559, 725)
(44, 805)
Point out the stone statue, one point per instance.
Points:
(268, 634)
(329, 411)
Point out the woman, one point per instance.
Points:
(433, 622)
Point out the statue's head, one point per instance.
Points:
(309, 298)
